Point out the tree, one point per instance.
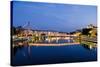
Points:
(85, 31)
(19, 29)
(13, 30)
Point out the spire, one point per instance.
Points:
(27, 26)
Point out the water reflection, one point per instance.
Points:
(43, 54)
(26, 54)
(59, 41)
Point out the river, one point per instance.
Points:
(53, 54)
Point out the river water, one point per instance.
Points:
(53, 54)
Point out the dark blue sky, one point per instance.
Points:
(51, 16)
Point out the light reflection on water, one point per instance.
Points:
(53, 54)
(59, 41)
